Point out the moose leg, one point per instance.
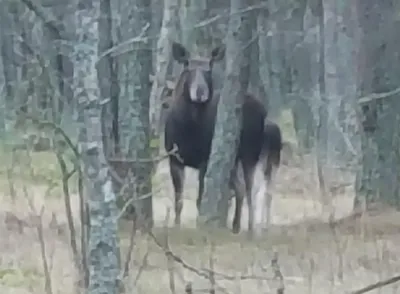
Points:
(202, 173)
(260, 183)
(177, 172)
(269, 178)
(248, 173)
(238, 193)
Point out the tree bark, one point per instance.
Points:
(214, 205)
(135, 67)
(103, 248)
(139, 144)
(378, 178)
(107, 71)
(8, 57)
(168, 32)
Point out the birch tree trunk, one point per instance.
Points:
(103, 241)
(214, 205)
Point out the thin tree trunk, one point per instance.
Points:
(103, 240)
(379, 177)
(139, 143)
(214, 205)
(108, 81)
(168, 32)
(322, 126)
(8, 57)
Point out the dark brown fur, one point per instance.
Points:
(190, 126)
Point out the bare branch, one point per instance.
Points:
(378, 96)
(377, 285)
(140, 38)
(48, 19)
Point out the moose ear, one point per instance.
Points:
(179, 52)
(218, 53)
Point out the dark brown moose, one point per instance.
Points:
(189, 126)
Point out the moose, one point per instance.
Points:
(189, 126)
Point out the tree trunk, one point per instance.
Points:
(139, 144)
(214, 205)
(60, 64)
(9, 63)
(135, 67)
(256, 85)
(168, 32)
(103, 251)
(108, 81)
(274, 60)
(195, 38)
(378, 179)
(299, 62)
(322, 124)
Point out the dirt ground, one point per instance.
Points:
(311, 256)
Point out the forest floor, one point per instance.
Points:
(312, 256)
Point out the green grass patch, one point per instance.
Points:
(20, 277)
(32, 168)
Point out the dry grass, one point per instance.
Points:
(312, 256)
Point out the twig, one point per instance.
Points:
(132, 199)
(222, 276)
(140, 38)
(377, 285)
(11, 187)
(212, 275)
(142, 267)
(336, 239)
(170, 260)
(83, 211)
(178, 259)
(85, 227)
(68, 210)
(39, 227)
(57, 130)
(204, 273)
(173, 152)
(278, 274)
(130, 250)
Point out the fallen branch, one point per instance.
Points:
(377, 285)
(205, 273)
